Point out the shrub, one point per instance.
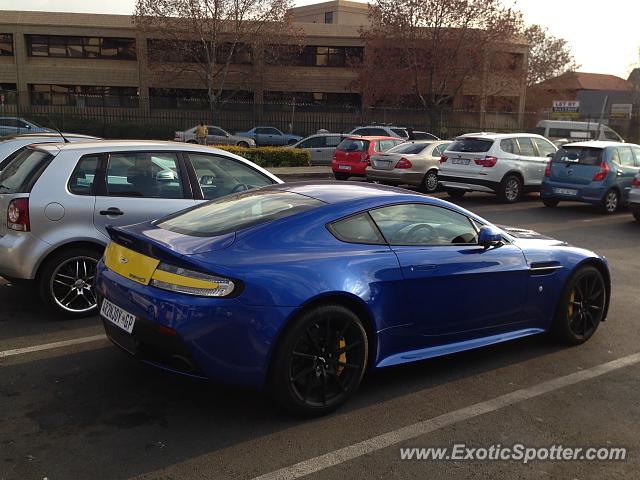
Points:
(271, 156)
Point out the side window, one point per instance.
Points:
(378, 131)
(526, 147)
(610, 134)
(510, 145)
(216, 131)
(357, 229)
(545, 148)
(419, 224)
(83, 177)
(361, 131)
(615, 158)
(636, 152)
(261, 131)
(313, 142)
(143, 174)
(626, 157)
(384, 145)
(219, 176)
(333, 140)
(437, 151)
(271, 131)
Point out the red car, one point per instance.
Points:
(353, 153)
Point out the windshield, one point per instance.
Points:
(353, 145)
(233, 213)
(23, 171)
(409, 148)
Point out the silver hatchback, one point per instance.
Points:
(57, 200)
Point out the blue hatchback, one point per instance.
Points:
(593, 172)
(304, 287)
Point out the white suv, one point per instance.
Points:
(505, 164)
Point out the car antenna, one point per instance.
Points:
(57, 129)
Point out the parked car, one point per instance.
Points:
(59, 198)
(17, 125)
(303, 288)
(505, 164)
(353, 154)
(571, 131)
(413, 163)
(634, 196)
(391, 131)
(13, 145)
(215, 136)
(321, 146)
(269, 136)
(595, 172)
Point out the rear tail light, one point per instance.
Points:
(178, 279)
(365, 158)
(404, 163)
(18, 215)
(547, 170)
(635, 183)
(443, 159)
(602, 172)
(486, 161)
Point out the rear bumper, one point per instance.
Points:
(466, 183)
(216, 338)
(354, 169)
(584, 193)
(20, 253)
(397, 176)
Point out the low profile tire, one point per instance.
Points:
(243, 144)
(510, 190)
(320, 361)
(430, 182)
(340, 176)
(455, 192)
(636, 213)
(65, 282)
(610, 202)
(550, 202)
(581, 307)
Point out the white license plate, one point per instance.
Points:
(565, 191)
(383, 163)
(344, 167)
(460, 161)
(118, 316)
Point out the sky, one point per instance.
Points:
(604, 36)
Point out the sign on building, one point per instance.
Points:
(621, 110)
(565, 108)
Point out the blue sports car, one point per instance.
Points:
(302, 287)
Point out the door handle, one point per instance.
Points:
(423, 267)
(112, 211)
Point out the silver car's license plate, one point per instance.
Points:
(565, 191)
(118, 316)
(383, 163)
(460, 161)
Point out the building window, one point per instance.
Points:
(313, 98)
(328, 17)
(6, 45)
(81, 47)
(193, 98)
(312, 56)
(84, 96)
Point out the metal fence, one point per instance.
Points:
(145, 122)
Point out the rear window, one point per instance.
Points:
(400, 132)
(354, 145)
(9, 158)
(409, 148)
(580, 155)
(474, 145)
(233, 213)
(21, 173)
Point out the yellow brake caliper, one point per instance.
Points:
(342, 358)
(572, 298)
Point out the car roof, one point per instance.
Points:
(596, 144)
(27, 136)
(371, 137)
(124, 145)
(495, 136)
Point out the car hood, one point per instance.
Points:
(525, 237)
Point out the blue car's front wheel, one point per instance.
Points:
(320, 360)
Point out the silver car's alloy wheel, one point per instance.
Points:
(431, 182)
(71, 284)
(611, 202)
(512, 189)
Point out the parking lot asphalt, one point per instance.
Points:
(85, 410)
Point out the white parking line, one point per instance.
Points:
(409, 432)
(49, 346)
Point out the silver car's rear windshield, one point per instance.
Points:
(237, 212)
(21, 173)
(473, 145)
(580, 155)
(409, 148)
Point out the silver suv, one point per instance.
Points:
(57, 199)
(505, 164)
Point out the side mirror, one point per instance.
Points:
(489, 237)
(551, 155)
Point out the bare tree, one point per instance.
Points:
(549, 56)
(423, 52)
(214, 39)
